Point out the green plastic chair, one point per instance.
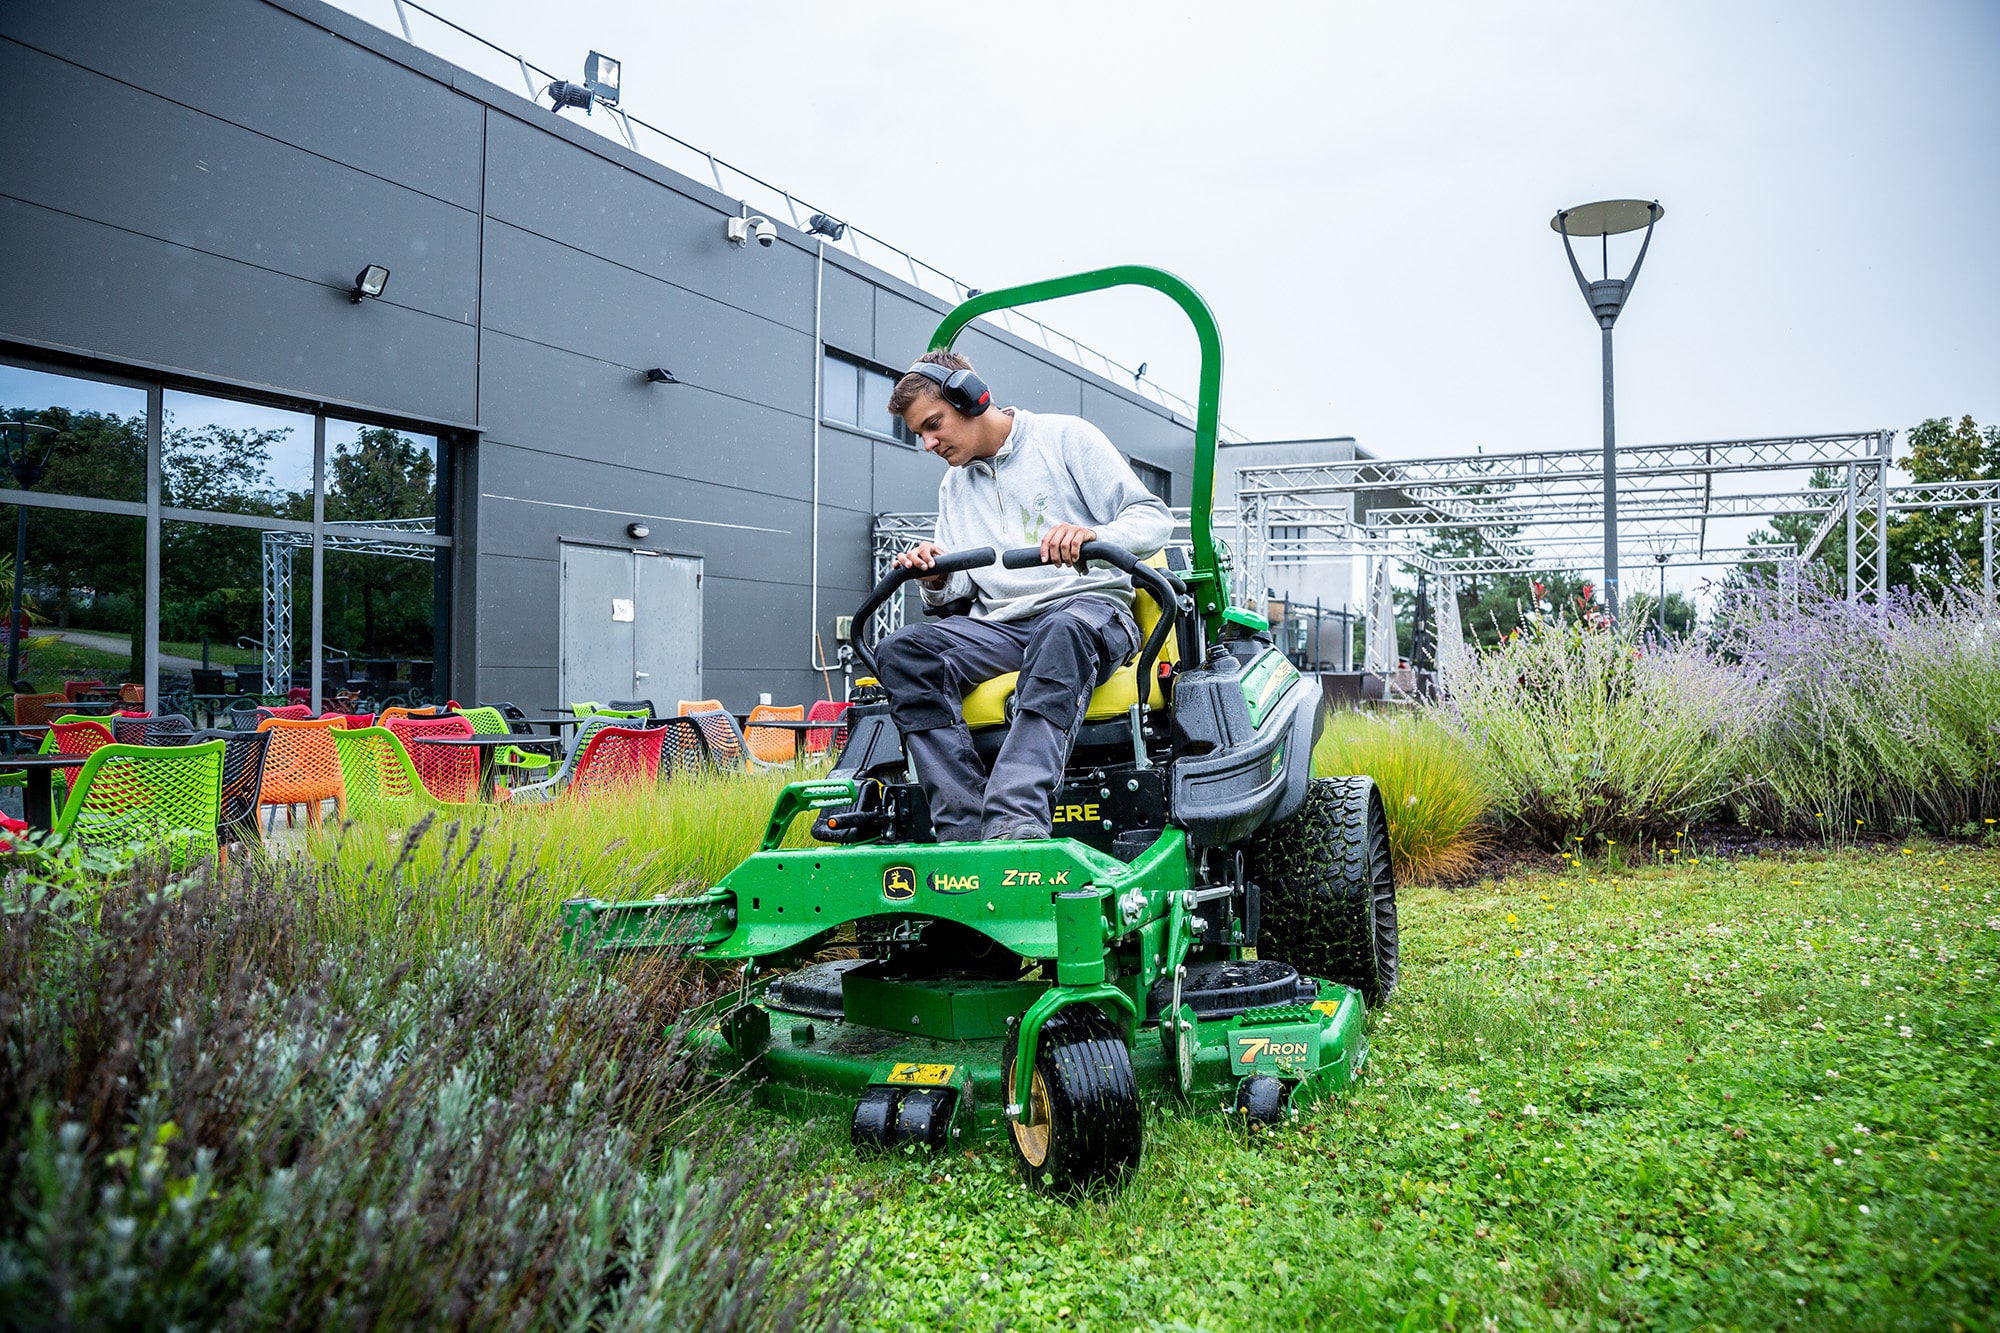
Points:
(601, 710)
(487, 720)
(153, 796)
(380, 782)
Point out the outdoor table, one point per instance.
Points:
(12, 735)
(37, 803)
(88, 707)
(489, 748)
(552, 723)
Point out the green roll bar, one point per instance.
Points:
(1205, 581)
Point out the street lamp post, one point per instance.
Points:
(18, 454)
(1606, 297)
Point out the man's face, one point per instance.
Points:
(945, 430)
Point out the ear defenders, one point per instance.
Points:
(962, 389)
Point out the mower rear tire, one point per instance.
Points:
(1081, 1102)
(1327, 890)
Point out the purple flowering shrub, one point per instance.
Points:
(1587, 735)
(1880, 715)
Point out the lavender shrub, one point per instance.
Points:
(221, 1108)
(1588, 736)
(1882, 716)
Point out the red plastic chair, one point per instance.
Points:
(618, 758)
(448, 773)
(76, 689)
(826, 710)
(290, 712)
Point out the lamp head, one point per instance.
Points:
(369, 282)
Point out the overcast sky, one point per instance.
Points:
(1362, 192)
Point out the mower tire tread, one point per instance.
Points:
(1326, 888)
(1093, 1096)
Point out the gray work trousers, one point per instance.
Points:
(1062, 654)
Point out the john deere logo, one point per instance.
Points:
(899, 883)
(953, 883)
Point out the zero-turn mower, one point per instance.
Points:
(1209, 922)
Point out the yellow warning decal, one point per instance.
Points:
(926, 1074)
(1328, 1007)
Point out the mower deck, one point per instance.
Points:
(810, 1065)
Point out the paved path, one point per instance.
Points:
(118, 647)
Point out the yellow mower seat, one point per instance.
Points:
(986, 704)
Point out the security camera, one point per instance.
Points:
(740, 230)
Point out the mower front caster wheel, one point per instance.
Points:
(1079, 1122)
(1260, 1100)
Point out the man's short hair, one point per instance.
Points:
(914, 386)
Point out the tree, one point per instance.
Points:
(1796, 531)
(380, 606)
(1944, 545)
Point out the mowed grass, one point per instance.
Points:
(1754, 1094)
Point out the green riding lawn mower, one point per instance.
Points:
(1209, 923)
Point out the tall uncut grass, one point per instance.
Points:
(1584, 735)
(1432, 788)
(1878, 715)
(245, 1103)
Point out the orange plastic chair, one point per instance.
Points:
(301, 767)
(773, 745)
(448, 773)
(428, 710)
(826, 710)
(38, 710)
(132, 694)
(700, 706)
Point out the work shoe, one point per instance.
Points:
(1018, 833)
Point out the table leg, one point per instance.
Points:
(487, 754)
(37, 802)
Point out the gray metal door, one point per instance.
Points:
(667, 634)
(631, 626)
(598, 617)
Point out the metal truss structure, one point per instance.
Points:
(1543, 512)
(279, 548)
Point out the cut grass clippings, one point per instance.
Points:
(1757, 1094)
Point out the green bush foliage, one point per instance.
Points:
(1585, 735)
(1432, 788)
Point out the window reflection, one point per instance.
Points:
(99, 449)
(215, 617)
(81, 596)
(237, 458)
(379, 474)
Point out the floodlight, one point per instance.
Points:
(819, 224)
(661, 375)
(369, 282)
(600, 75)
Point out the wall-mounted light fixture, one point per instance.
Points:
(369, 282)
(819, 224)
(1140, 373)
(600, 75)
(661, 375)
(638, 532)
(740, 230)
(564, 95)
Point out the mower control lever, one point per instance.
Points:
(977, 558)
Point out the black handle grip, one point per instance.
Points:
(977, 558)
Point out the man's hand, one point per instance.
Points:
(923, 557)
(1063, 544)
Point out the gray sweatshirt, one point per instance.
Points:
(1052, 469)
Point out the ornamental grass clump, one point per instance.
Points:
(1585, 734)
(1432, 788)
(1882, 716)
(224, 1106)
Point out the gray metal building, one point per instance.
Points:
(187, 188)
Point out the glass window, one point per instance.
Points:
(83, 595)
(97, 446)
(1155, 479)
(378, 474)
(380, 619)
(238, 458)
(837, 390)
(213, 608)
